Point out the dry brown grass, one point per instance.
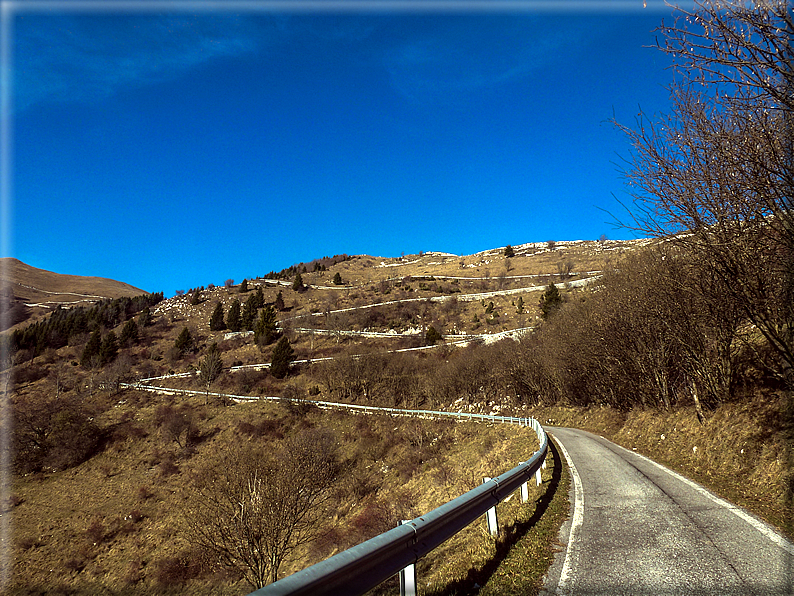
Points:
(112, 524)
(35, 285)
(742, 452)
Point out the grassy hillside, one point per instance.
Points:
(104, 473)
(30, 293)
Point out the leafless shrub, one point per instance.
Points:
(134, 573)
(179, 569)
(96, 531)
(235, 498)
(144, 492)
(168, 467)
(261, 429)
(716, 171)
(177, 424)
(53, 433)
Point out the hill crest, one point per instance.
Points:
(30, 292)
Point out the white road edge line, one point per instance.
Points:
(756, 523)
(576, 521)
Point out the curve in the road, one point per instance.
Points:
(638, 528)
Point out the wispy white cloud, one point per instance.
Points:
(467, 54)
(85, 57)
(434, 58)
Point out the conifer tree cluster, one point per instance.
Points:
(315, 265)
(62, 326)
(129, 333)
(100, 351)
(254, 315)
(250, 309)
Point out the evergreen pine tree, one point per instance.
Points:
(550, 301)
(184, 342)
(91, 348)
(337, 279)
(145, 317)
(520, 306)
(260, 298)
(297, 285)
(266, 332)
(216, 320)
(432, 336)
(233, 320)
(282, 356)
(244, 286)
(249, 313)
(509, 252)
(279, 304)
(195, 300)
(109, 348)
(129, 333)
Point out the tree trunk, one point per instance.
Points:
(696, 399)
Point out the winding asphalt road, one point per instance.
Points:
(638, 528)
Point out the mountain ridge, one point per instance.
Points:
(33, 284)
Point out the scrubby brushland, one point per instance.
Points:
(124, 421)
(647, 340)
(105, 474)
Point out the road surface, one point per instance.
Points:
(638, 528)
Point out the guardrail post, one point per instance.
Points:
(537, 476)
(524, 490)
(490, 516)
(408, 575)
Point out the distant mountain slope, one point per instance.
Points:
(39, 286)
(28, 291)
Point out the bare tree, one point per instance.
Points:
(119, 371)
(564, 269)
(718, 170)
(253, 509)
(210, 367)
(501, 280)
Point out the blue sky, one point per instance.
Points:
(173, 145)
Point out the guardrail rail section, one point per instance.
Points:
(364, 566)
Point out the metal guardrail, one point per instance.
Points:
(370, 563)
(364, 566)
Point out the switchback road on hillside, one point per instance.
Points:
(638, 528)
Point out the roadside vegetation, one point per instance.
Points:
(680, 348)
